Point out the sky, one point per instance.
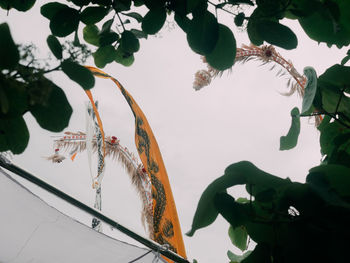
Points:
(240, 116)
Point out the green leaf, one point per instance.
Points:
(153, 21)
(239, 237)
(104, 55)
(239, 19)
(90, 35)
(337, 176)
(224, 53)
(261, 254)
(322, 27)
(102, 2)
(203, 33)
(106, 27)
(81, 2)
(14, 135)
(108, 38)
(93, 14)
(337, 75)
(4, 102)
(78, 73)
(328, 134)
(239, 2)
(237, 259)
(236, 214)
(54, 113)
(291, 139)
(124, 58)
(310, 90)
(182, 21)
(134, 15)
(55, 46)
(277, 34)
(50, 9)
(121, 5)
(13, 97)
(239, 173)
(8, 50)
(345, 60)
(64, 22)
(22, 5)
(138, 33)
(129, 42)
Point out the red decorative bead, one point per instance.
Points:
(143, 170)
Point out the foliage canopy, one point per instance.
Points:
(290, 222)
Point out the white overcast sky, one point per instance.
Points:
(240, 116)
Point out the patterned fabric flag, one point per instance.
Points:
(166, 224)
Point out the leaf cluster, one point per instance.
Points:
(289, 221)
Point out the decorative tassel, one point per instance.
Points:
(56, 157)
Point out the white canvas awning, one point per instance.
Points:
(32, 231)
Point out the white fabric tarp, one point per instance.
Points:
(32, 231)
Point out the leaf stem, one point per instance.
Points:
(120, 20)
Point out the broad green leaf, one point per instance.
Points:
(129, 42)
(8, 50)
(154, 4)
(239, 19)
(93, 14)
(138, 3)
(321, 27)
(121, 5)
(134, 15)
(239, 237)
(253, 34)
(337, 75)
(81, 2)
(236, 258)
(277, 34)
(108, 38)
(22, 5)
(78, 73)
(261, 254)
(64, 22)
(239, 173)
(54, 113)
(337, 176)
(193, 5)
(153, 21)
(104, 55)
(203, 33)
(334, 100)
(106, 27)
(90, 35)
(50, 9)
(224, 53)
(291, 139)
(55, 46)
(14, 135)
(310, 90)
(328, 134)
(138, 33)
(124, 58)
(4, 102)
(236, 214)
(14, 97)
(182, 21)
(102, 2)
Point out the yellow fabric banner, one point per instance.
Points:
(166, 226)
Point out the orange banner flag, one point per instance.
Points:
(166, 225)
